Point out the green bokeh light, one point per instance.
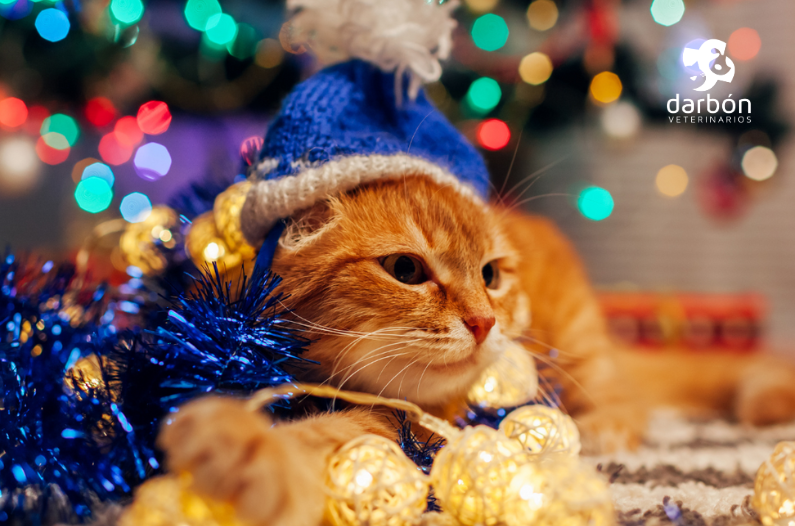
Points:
(93, 194)
(667, 12)
(127, 11)
(221, 29)
(595, 203)
(55, 140)
(483, 95)
(198, 12)
(63, 124)
(490, 32)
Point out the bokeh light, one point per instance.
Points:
(154, 117)
(93, 195)
(128, 132)
(535, 68)
(490, 32)
(36, 116)
(100, 170)
(245, 44)
(16, 10)
(744, 44)
(481, 6)
(63, 124)
(198, 12)
(221, 29)
(269, 53)
(542, 14)
(135, 207)
(595, 203)
(52, 24)
(249, 149)
(667, 12)
(493, 134)
(51, 155)
(759, 163)
(19, 167)
(606, 87)
(100, 111)
(671, 180)
(79, 168)
(127, 11)
(112, 151)
(483, 95)
(55, 140)
(621, 120)
(13, 112)
(152, 161)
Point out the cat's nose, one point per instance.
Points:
(480, 326)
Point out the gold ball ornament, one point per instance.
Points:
(371, 482)
(542, 430)
(472, 473)
(205, 245)
(226, 212)
(140, 243)
(558, 491)
(510, 381)
(169, 501)
(774, 487)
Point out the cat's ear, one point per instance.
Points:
(308, 225)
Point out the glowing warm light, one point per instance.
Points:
(671, 180)
(621, 120)
(493, 134)
(759, 163)
(510, 381)
(19, 167)
(667, 12)
(213, 251)
(127, 11)
(535, 68)
(774, 487)
(93, 195)
(13, 112)
(112, 151)
(61, 124)
(52, 24)
(154, 117)
(483, 95)
(136, 207)
(269, 53)
(100, 170)
(51, 155)
(542, 430)
(221, 29)
(490, 32)
(152, 161)
(100, 111)
(198, 12)
(481, 6)
(542, 14)
(79, 168)
(606, 87)
(744, 44)
(127, 131)
(595, 203)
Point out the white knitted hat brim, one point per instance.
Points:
(274, 199)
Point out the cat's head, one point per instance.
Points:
(408, 288)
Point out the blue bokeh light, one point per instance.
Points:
(135, 207)
(52, 24)
(100, 170)
(152, 161)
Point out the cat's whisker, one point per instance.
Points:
(517, 204)
(499, 193)
(368, 365)
(396, 375)
(560, 369)
(537, 175)
(423, 375)
(384, 349)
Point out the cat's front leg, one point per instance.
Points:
(273, 475)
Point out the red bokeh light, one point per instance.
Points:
(50, 155)
(100, 111)
(493, 134)
(154, 117)
(744, 44)
(127, 131)
(36, 116)
(250, 148)
(13, 112)
(112, 151)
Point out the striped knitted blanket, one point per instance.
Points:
(690, 473)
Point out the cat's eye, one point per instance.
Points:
(491, 275)
(404, 268)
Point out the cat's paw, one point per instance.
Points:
(612, 428)
(236, 456)
(766, 393)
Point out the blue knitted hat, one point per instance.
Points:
(363, 119)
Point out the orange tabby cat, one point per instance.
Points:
(410, 290)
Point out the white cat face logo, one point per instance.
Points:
(705, 56)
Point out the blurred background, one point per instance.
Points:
(110, 106)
